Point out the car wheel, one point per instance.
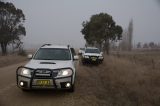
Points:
(25, 90)
(83, 62)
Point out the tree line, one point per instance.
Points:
(150, 45)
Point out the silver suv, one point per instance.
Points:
(92, 55)
(51, 67)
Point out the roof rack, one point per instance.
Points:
(46, 45)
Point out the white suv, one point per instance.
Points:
(51, 67)
(92, 55)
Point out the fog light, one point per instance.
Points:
(21, 84)
(68, 85)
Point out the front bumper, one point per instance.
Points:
(52, 80)
(92, 59)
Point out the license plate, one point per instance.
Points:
(93, 59)
(43, 82)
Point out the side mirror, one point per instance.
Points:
(76, 58)
(101, 53)
(29, 56)
(83, 52)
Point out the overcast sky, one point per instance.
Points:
(59, 21)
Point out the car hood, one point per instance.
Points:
(49, 64)
(92, 54)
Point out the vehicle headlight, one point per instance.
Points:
(100, 57)
(25, 72)
(86, 57)
(65, 72)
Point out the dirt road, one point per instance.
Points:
(116, 82)
(89, 90)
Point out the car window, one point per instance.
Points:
(52, 54)
(81, 48)
(92, 51)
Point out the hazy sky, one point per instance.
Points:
(59, 21)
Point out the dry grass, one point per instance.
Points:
(130, 83)
(11, 59)
(150, 59)
(125, 80)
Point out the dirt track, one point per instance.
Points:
(89, 90)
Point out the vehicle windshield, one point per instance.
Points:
(52, 54)
(92, 51)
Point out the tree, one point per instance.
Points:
(127, 38)
(130, 34)
(145, 45)
(151, 45)
(11, 25)
(139, 45)
(158, 1)
(100, 30)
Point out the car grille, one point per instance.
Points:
(93, 57)
(42, 73)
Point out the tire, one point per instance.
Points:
(83, 62)
(25, 90)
